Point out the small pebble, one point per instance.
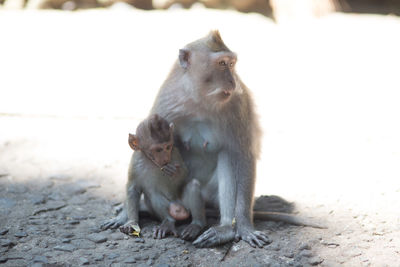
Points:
(130, 260)
(41, 259)
(21, 234)
(83, 261)
(315, 260)
(112, 256)
(66, 247)
(3, 231)
(97, 238)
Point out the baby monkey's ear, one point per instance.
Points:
(133, 142)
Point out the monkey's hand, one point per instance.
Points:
(214, 236)
(254, 238)
(130, 228)
(191, 231)
(171, 169)
(166, 227)
(115, 222)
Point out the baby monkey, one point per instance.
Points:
(158, 171)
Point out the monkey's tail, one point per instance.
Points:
(276, 217)
(287, 218)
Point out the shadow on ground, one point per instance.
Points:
(56, 220)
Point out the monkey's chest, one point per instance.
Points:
(199, 138)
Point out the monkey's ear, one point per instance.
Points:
(133, 142)
(184, 58)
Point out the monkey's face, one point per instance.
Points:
(220, 77)
(161, 153)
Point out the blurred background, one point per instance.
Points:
(77, 75)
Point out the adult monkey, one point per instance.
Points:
(217, 134)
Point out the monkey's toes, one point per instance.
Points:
(256, 238)
(191, 232)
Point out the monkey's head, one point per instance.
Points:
(154, 137)
(210, 65)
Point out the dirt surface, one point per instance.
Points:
(75, 83)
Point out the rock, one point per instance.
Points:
(83, 261)
(66, 240)
(83, 244)
(3, 231)
(315, 260)
(305, 246)
(162, 265)
(21, 234)
(7, 243)
(139, 240)
(67, 235)
(41, 259)
(112, 256)
(73, 222)
(141, 257)
(79, 218)
(66, 247)
(289, 255)
(130, 260)
(150, 262)
(305, 253)
(3, 259)
(97, 238)
(54, 205)
(99, 257)
(38, 199)
(94, 230)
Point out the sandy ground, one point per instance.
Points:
(73, 84)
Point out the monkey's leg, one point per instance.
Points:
(160, 208)
(223, 233)
(193, 200)
(132, 210)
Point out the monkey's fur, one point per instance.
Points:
(218, 136)
(167, 197)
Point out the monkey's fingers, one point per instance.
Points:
(170, 169)
(214, 236)
(255, 239)
(111, 224)
(191, 232)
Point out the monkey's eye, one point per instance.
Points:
(231, 64)
(222, 63)
(158, 150)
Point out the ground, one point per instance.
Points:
(74, 84)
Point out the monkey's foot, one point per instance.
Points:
(215, 236)
(130, 228)
(252, 237)
(165, 228)
(191, 231)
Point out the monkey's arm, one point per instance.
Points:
(245, 179)
(132, 203)
(223, 233)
